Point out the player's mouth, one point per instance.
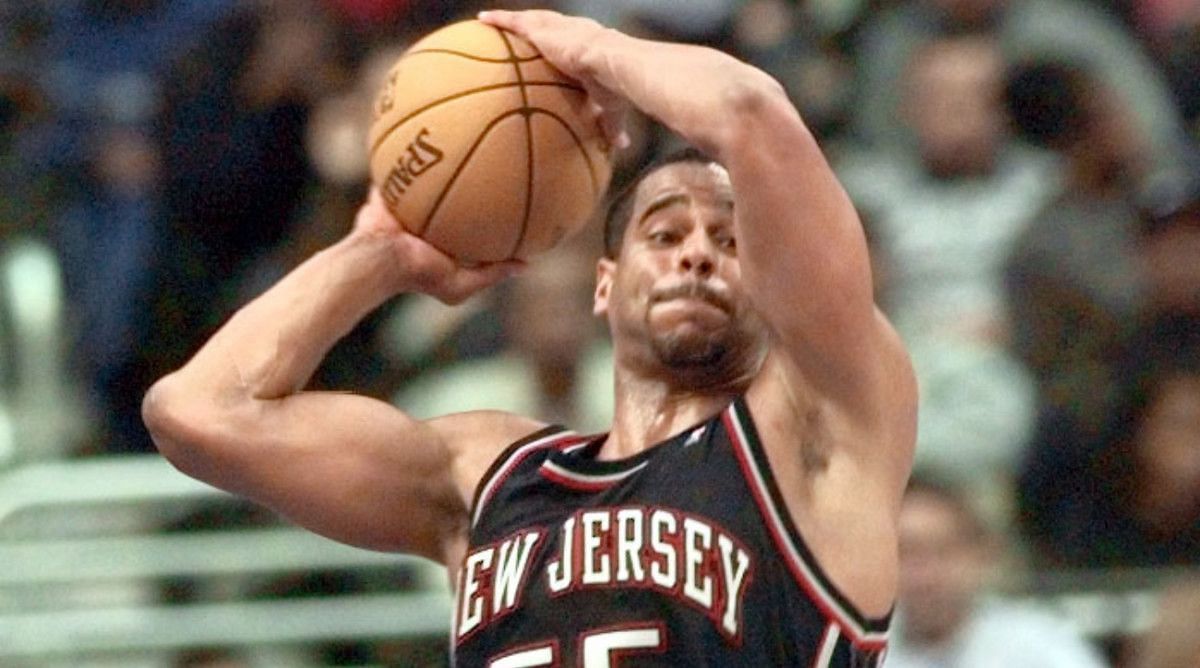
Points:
(696, 292)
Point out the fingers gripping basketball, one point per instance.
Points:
(483, 149)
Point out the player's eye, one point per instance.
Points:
(724, 238)
(662, 237)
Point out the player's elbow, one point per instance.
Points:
(184, 427)
(754, 112)
(752, 93)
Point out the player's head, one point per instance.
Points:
(670, 282)
(620, 207)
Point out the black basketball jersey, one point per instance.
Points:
(683, 555)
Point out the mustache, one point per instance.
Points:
(702, 291)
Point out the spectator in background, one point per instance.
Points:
(696, 21)
(1172, 642)
(40, 412)
(799, 45)
(1169, 254)
(946, 212)
(27, 191)
(232, 173)
(1130, 498)
(1074, 285)
(1053, 29)
(1171, 29)
(336, 148)
(1101, 286)
(551, 366)
(101, 64)
(944, 618)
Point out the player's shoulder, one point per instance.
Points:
(475, 439)
(483, 433)
(880, 393)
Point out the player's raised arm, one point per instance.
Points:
(801, 247)
(349, 467)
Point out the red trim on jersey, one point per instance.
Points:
(550, 644)
(581, 481)
(801, 571)
(828, 646)
(557, 476)
(618, 653)
(560, 440)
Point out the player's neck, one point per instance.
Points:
(647, 412)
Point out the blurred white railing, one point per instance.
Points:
(72, 532)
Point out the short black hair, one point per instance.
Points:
(620, 207)
(1047, 101)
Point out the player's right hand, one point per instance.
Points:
(420, 266)
(569, 43)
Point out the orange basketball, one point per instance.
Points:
(482, 148)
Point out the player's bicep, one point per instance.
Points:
(348, 467)
(802, 249)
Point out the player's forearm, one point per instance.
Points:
(702, 94)
(271, 347)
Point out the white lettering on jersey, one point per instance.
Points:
(560, 570)
(596, 563)
(684, 557)
(471, 590)
(697, 541)
(734, 581)
(629, 545)
(662, 571)
(497, 572)
(511, 564)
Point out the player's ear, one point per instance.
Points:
(605, 268)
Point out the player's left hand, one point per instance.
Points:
(569, 43)
(421, 267)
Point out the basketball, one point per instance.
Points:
(482, 148)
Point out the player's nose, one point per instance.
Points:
(697, 255)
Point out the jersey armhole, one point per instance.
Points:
(509, 458)
(862, 631)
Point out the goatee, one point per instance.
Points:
(692, 351)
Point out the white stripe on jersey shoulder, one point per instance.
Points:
(801, 569)
(514, 458)
(568, 476)
(829, 641)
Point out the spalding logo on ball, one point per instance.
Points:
(483, 149)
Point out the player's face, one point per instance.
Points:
(676, 284)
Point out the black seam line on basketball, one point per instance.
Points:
(458, 170)
(526, 114)
(582, 150)
(450, 98)
(578, 144)
(471, 56)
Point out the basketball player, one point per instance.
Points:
(742, 509)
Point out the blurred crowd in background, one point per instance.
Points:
(1027, 171)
